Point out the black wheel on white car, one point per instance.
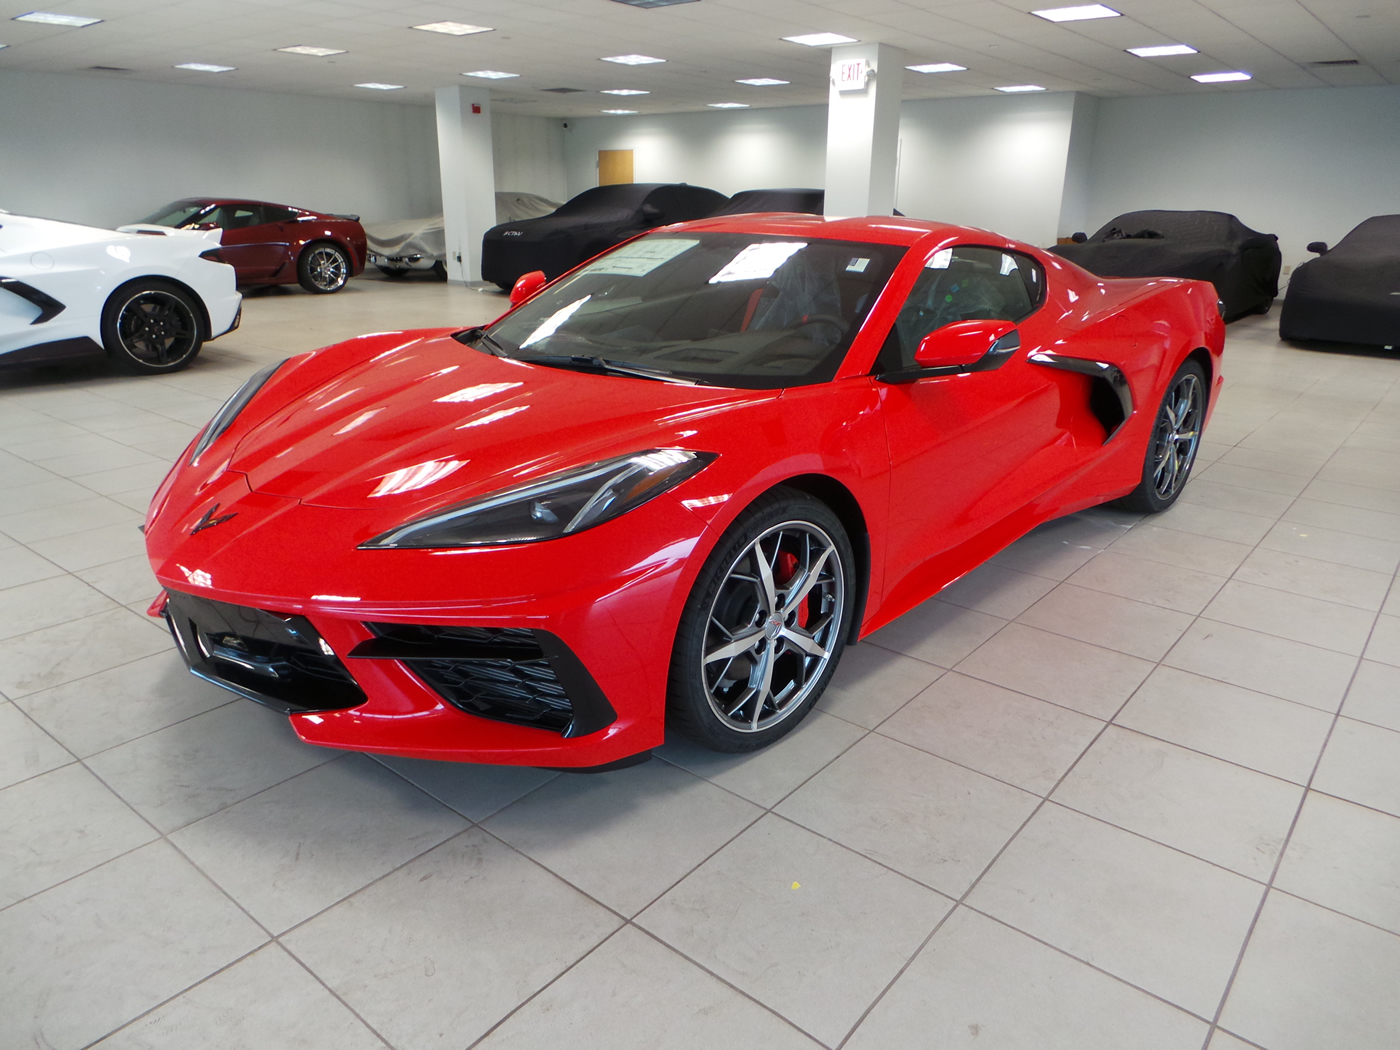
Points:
(1172, 446)
(151, 326)
(765, 625)
(323, 268)
(440, 270)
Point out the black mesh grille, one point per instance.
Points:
(277, 660)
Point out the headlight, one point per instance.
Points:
(557, 506)
(224, 418)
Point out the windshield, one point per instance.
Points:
(730, 309)
(176, 214)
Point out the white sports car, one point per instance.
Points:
(147, 299)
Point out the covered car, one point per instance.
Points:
(666, 490)
(147, 301)
(1351, 294)
(273, 243)
(805, 200)
(592, 222)
(401, 247)
(1213, 246)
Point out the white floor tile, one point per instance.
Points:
(1347, 858)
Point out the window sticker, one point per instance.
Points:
(641, 257)
(857, 265)
(941, 260)
(758, 262)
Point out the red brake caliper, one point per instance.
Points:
(787, 569)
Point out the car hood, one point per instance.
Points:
(22, 234)
(433, 422)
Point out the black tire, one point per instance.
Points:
(387, 271)
(323, 268)
(440, 270)
(1173, 443)
(799, 538)
(152, 327)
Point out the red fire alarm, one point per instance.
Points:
(476, 107)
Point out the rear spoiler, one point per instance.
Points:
(352, 218)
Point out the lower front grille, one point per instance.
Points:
(280, 661)
(509, 674)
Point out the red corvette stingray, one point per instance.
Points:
(666, 489)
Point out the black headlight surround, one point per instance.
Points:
(224, 417)
(562, 504)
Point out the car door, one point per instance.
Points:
(250, 243)
(967, 451)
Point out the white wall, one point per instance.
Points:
(106, 151)
(1307, 165)
(998, 163)
(726, 150)
(529, 154)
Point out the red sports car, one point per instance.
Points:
(274, 244)
(667, 488)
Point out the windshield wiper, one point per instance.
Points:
(481, 335)
(602, 366)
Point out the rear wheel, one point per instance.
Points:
(1171, 449)
(765, 625)
(391, 271)
(151, 327)
(323, 268)
(440, 270)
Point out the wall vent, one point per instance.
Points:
(653, 3)
(1338, 62)
(563, 91)
(109, 69)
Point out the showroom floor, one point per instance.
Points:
(1130, 781)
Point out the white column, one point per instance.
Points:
(862, 129)
(468, 177)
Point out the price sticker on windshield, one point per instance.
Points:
(641, 257)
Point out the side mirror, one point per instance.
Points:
(526, 285)
(960, 344)
(1079, 237)
(1319, 247)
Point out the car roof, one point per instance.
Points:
(877, 229)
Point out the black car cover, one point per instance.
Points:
(1243, 264)
(582, 227)
(1352, 293)
(790, 200)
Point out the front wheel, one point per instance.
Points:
(151, 327)
(1172, 446)
(765, 625)
(323, 268)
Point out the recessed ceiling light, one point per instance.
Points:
(4, 46)
(820, 39)
(315, 52)
(381, 87)
(490, 74)
(728, 105)
(201, 67)
(1077, 14)
(623, 91)
(762, 82)
(1014, 88)
(1162, 50)
(1221, 78)
(453, 28)
(619, 112)
(633, 60)
(48, 18)
(938, 67)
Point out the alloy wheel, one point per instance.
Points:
(1178, 435)
(157, 328)
(326, 268)
(772, 628)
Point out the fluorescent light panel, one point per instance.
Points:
(728, 105)
(1012, 89)
(202, 67)
(762, 82)
(48, 18)
(633, 60)
(1221, 78)
(490, 74)
(1162, 50)
(624, 91)
(618, 112)
(315, 52)
(938, 67)
(453, 28)
(381, 87)
(1076, 14)
(820, 39)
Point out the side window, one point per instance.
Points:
(275, 214)
(964, 283)
(239, 216)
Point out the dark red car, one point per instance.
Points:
(274, 244)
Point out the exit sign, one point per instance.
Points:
(850, 76)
